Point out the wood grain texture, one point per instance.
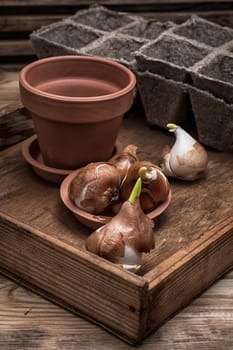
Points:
(192, 273)
(26, 23)
(30, 322)
(14, 25)
(15, 123)
(20, 47)
(108, 2)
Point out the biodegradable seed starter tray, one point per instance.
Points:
(168, 60)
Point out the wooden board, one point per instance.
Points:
(28, 321)
(42, 244)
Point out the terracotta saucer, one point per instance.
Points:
(32, 155)
(95, 221)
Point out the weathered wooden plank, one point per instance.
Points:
(26, 24)
(190, 274)
(49, 6)
(27, 319)
(15, 123)
(13, 67)
(109, 2)
(20, 47)
(78, 283)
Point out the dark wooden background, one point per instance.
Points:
(19, 18)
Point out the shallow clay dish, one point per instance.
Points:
(95, 221)
(32, 155)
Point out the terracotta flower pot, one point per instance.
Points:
(77, 104)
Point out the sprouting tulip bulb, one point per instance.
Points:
(186, 159)
(155, 186)
(126, 236)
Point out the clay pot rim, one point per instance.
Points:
(115, 95)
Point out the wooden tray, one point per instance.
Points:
(42, 244)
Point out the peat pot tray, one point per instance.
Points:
(42, 246)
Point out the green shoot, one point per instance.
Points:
(136, 191)
(172, 126)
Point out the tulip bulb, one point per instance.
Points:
(155, 186)
(124, 159)
(187, 159)
(95, 187)
(126, 236)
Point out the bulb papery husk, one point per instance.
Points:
(155, 185)
(125, 158)
(187, 158)
(95, 187)
(125, 237)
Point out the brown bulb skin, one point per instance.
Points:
(124, 159)
(95, 187)
(129, 227)
(155, 190)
